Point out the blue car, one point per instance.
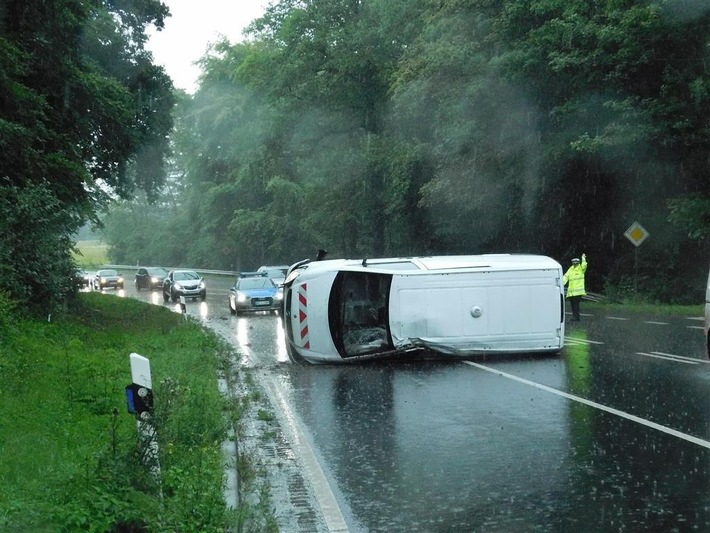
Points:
(254, 292)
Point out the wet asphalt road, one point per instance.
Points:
(612, 435)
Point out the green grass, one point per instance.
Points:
(71, 456)
(648, 308)
(92, 254)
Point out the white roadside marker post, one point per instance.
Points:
(139, 395)
(183, 306)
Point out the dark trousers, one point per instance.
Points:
(574, 302)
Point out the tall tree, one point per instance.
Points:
(478, 132)
(621, 88)
(84, 114)
(374, 127)
(334, 63)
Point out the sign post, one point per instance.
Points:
(637, 234)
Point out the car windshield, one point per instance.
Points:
(156, 271)
(185, 275)
(276, 272)
(246, 284)
(108, 273)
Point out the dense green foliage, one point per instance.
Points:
(77, 463)
(385, 127)
(84, 116)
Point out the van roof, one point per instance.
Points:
(499, 262)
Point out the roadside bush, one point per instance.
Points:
(36, 264)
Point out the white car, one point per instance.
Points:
(277, 273)
(187, 283)
(344, 310)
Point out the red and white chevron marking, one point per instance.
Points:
(303, 315)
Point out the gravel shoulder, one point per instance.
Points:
(281, 482)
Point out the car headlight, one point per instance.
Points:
(241, 297)
(120, 280)
(177, 285)
(202, 284)
(154, 280)
(279, 296)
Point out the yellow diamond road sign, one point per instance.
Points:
(636, 234)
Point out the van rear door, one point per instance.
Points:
(358, 313)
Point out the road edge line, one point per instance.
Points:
(335, 521)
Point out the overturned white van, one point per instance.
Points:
(345, 310)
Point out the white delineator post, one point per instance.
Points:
(140, 375)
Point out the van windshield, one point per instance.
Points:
(358, 313)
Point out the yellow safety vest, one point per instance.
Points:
(575, 277)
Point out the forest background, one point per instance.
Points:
(401, 127)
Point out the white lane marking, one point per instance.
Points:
(674, 359)
(576, 340)
(683, 357)
(695, 327)
(655, 323)
(698, 318)
(616, 318)
(622, 414)
(326, 499)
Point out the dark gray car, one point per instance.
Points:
(150, 278)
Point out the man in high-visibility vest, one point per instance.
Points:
(574, 279)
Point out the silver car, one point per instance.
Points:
(187, 283)
(108, 278)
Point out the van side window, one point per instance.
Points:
(358, 313)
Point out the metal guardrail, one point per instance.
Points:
(592, 296)
(215, 272)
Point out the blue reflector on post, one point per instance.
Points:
(131, 399)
